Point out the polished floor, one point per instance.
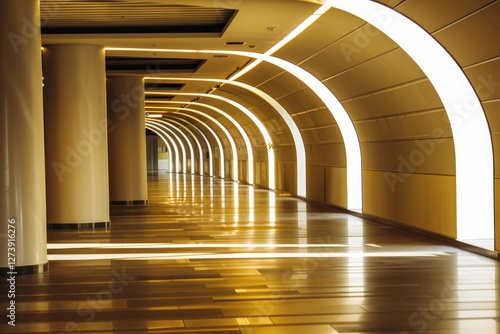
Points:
(209, 256)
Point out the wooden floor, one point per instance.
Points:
(213, 256)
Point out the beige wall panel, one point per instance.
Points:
(368, 191)
(411, 98)
(420, 125)
(485, 79)
(491, 109)
(290, 178)
(432, 203)
(388, 70)
(497, 214)
(495, 137)
(491, 13)
(301, 100)
(432, 15)
(343, 187)
(477, 33)
(373, 130)
(282, 85)
(328, 155)
(411, 201)
(310, 136)
(332, 185)
(307, 43)
(264, 181)
(422, 156)
(330, 134)
(316, 183)
(285, 153)
(448, 206)
(355, 48)
(384, 199)
(261, 74)
(321, 116)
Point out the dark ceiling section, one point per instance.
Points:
(162, 86)
(153, 97)
(151, 66)
(132, 17)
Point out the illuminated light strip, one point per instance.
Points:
(244, 135)
(209, 146)
(153, 116)
(223, 128)
(191, 151)
(300, 150)
(222, 170)
(255, 120)
(194, 245)
(167, 143)
(178, 142)
(198, 144)
(264, 255)
(471, 134)
(288, 38)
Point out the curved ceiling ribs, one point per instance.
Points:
(248, 145)
(285, 115)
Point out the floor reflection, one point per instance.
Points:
(220, 257)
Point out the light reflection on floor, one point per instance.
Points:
(214, 256)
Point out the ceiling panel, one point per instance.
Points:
(126, 16)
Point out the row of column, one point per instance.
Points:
(58, 137)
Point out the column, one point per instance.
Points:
(23, 239)
(127, 141)
(76, 142)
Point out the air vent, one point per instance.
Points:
(235, 43)
(133, 17)
(153, 65)
(163, 86)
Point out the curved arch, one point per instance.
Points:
(471, 134)
(223, 128)
(167, 143)
(179, 143)
(260, 126)
(246, 139)
(300, 149)
(190, 147)
(195, 139)
(207, 142)
(346, 127)
(219, 144)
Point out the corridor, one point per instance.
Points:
(219, 257)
